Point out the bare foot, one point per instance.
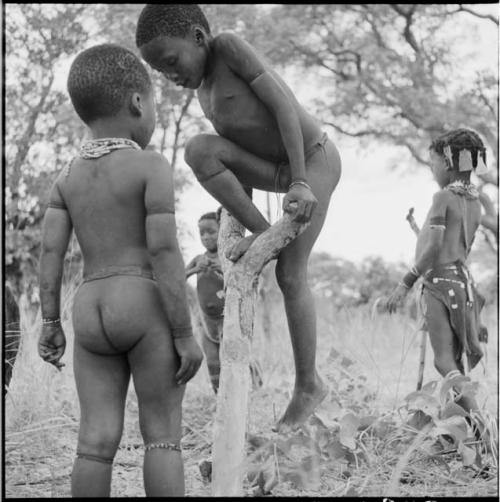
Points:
(301, 407)
(241, 247)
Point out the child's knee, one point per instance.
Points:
(197, 149)
(444, 363)
(101, 443)
(291, 280)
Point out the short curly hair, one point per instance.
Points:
(209, 216)
(460, 139)
(102, 77)
(171, 20)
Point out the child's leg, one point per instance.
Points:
(101, 382)
(224, 169)
(154, 362)
(211, 350)
(291, 273)
(444, 344)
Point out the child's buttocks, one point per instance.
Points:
(112, 314)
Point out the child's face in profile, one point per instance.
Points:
(181, 59)
(209, 230)
(439, 169)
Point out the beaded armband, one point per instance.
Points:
(182, 331)
(410, 278)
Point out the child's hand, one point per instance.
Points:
(191, 357)
(305, 200)
(52, 344)
(203, 264)
(397, 297)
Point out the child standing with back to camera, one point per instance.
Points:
(130, 314)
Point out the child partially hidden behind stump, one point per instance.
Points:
(450, 301)
(210, 292)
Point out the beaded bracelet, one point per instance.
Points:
(411, 277)
(48, 321)
(299, 182)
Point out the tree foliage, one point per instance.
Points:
(389, 71)
(40, 134)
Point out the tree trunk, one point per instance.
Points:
(240, 281)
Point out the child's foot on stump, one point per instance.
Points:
(301, 406)
(241, 247)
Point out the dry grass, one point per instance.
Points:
(378, 370)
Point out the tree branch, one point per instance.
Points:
(178, 122)
(407, 33)
(24, 144)
(461, 8)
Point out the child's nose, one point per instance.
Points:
(171, 76)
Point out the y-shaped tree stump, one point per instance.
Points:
(240, 281)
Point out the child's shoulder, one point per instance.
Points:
(229, 44)
(224, 38)
(150, 162)
(151, 157)
(442, 196)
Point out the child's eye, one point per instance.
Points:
(171, 60)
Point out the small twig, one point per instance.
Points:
(421, 363)
(411, 220)
(191, 429)
(40, 429)
(41, 481)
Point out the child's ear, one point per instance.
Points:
(199, 35)
(135, 104)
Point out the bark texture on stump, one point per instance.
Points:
(240, 282)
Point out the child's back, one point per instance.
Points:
(105, 199)
(463, 216)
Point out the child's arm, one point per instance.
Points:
(168, 266)
(435, 236)
(430, 250)
(56, 233)
(242, 60)
(192, 267)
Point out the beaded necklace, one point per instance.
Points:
(96, 148)
(459, 187)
